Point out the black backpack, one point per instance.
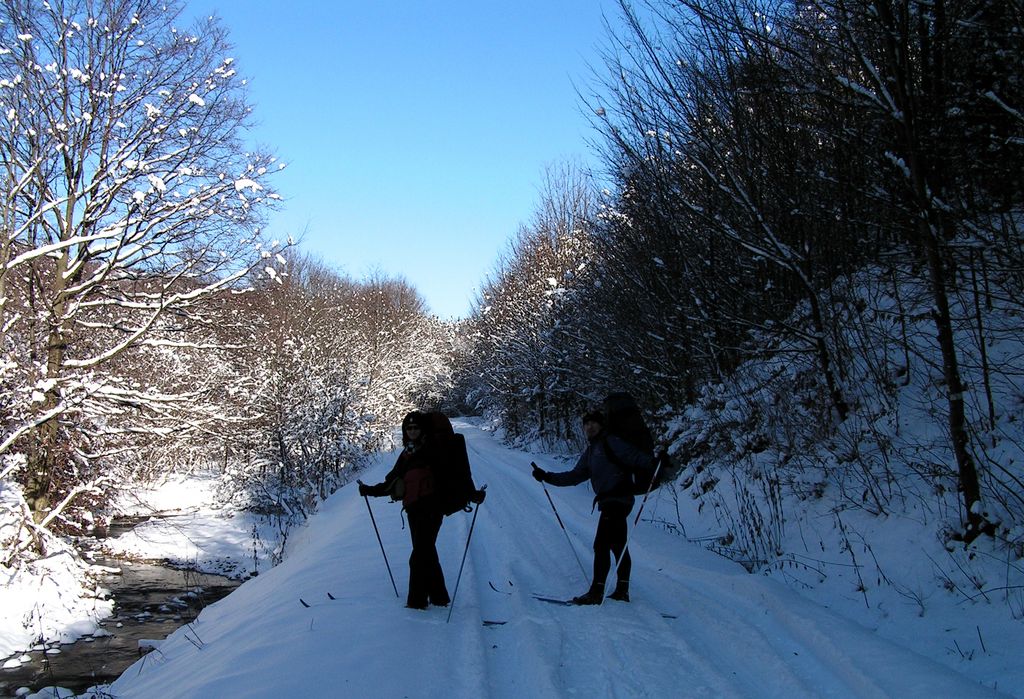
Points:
(453, 478)
(624, 420)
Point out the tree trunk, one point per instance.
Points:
(970, 486)
(825, 357)
(43, 454)
(934, 228)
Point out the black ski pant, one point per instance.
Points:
(426, 579)
(612, 530)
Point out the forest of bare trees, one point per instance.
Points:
(830, 191)
(808, 213)
(147, 324)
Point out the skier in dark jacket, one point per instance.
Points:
(609, 475)
(412, 481)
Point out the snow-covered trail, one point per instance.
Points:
(698, 626)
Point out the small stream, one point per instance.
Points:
(150, 602)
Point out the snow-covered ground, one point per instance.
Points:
(194, 529)
(50, 599)
(698, 625)
(54, 600)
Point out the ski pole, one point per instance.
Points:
(564, 531)
(384, 553)
(636, 520)
(451, 607)
(647, 493)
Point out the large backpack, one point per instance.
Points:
(453, 478)
(624, 420)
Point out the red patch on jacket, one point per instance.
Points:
(419, 482)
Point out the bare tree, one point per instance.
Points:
(933, 84)
(528, 334)
(128, 202)
(707, 131)
(812, 140)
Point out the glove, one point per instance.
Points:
(364, 489)
(478, 496)
(539, 474)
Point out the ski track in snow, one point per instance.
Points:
(733, 635)
(696, 646)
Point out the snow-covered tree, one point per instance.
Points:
(330, 365)
(400, 361)
(932, 86)
(719, 164)
(799, 187)
(129, 201)
(526, 334)
(766, 151)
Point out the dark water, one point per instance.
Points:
(150, 602)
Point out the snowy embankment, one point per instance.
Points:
(54, 600)
(50, 598)
(698, 626)
(194, 530)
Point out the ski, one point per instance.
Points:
(502, 592)
(555, 600)
(570, 603)
(488, 622)
(306, 604)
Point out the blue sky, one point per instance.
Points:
(416, 134)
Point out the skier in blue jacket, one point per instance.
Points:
(609, 475)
